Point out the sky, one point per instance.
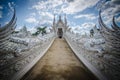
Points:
(81, 14)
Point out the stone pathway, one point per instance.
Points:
(59, 63)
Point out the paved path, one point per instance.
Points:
(59, 63)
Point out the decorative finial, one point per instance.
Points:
(54, 20)
(65, 19)
(59, 17)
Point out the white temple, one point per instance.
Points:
(60, 26)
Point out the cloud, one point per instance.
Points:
(45, 18)
(0, 14)
(47, 5)
(72, 24)
(63, 6)
(47, 15)
(83, 28)
(31, 20)
(39, 6)
(79, 5)
(33, 14)
(87, 16)
(1, 7)
(88, 25)
(45, 22)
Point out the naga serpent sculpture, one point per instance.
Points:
(111, 35)
(5, 33)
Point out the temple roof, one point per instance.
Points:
(60, 20)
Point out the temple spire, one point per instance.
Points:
(59, 17)
(54, 20)
(65, 19)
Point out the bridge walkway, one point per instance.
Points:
(59, 63)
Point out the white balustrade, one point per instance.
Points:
(92, 49)
(28, 55)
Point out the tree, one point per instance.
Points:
(40, 30)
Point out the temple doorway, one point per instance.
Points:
(60, 33)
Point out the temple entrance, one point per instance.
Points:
(60, 32)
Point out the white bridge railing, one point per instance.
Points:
(14, 68)
(104, 66)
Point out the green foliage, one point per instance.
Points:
(40, 30)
